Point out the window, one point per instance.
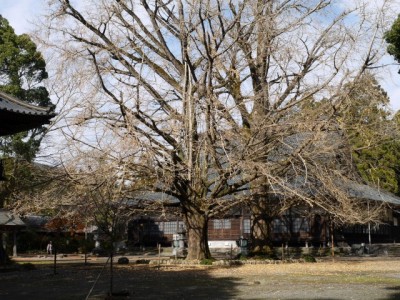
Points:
(297, 224)
(222, 224)
(305, 226)
(181, 226)
(246, 226)
(170, 227)
(278, 226)
(300, 224)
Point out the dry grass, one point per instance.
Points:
(365, 279)
(338, 267)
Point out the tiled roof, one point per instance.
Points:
(17, 116)
(351, 188)
(12, 104)
(8, 219)
(36, 221)
(362, 191)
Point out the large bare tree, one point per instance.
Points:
(214, 102)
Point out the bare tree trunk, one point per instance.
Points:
(263, 212)
(260, 234)
(261, 228)
(197, 228)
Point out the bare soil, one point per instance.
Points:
(343, 278)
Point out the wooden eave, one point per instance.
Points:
(17, 116)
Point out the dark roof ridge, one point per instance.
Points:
(24, 107)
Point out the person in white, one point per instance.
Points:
(49, 248)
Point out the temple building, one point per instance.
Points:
(17, 116)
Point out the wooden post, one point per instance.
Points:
(332, 239)
(111, 270)
(55, 259)
(86, 243)
(159, 255)
(15, 244)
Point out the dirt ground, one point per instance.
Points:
(344, 278)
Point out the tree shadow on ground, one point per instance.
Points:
(74, 281)
(142, 282)
(395, 295)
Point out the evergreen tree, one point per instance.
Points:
(22, 70)
(392, 37)
(371, 131)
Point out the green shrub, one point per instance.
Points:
(123, 260)
(242, 257)
(309, 258)
(263, 253)
(207, 261)
(143, 261)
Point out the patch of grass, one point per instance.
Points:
(39, 262)
(339, 279)
(207, 261)
(242, 257)
(374, 279)
(262, 256)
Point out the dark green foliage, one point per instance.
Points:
(372, 134)
(142, 261)
(22, 70)
(265, 253)
(380, 165)
(262, 256)
(68, 245)
(207, 261)
(392, 37)
(29, 240)
(309, 258)
(123, 260)
(86, 245)
(21, 65)
(388, 155)
(240, 256)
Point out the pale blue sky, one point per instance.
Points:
(20, 12)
